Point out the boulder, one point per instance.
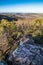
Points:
(27, 54)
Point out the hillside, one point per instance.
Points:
(23, 32)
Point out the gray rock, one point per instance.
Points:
(3, 63)
(27, 54)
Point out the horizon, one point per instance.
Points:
(21, 6)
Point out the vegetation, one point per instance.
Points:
(15, 32)
(34, 28)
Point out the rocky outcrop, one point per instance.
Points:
(27, 54)
(3, 63)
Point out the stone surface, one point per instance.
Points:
(28, 54)
(3, 63)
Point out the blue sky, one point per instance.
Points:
(24, 6)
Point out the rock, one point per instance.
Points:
(3, 63)
(37, 60)
(27, 54)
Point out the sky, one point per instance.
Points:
(21, 6)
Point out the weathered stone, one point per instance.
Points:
(3, 63)
(27, 54)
